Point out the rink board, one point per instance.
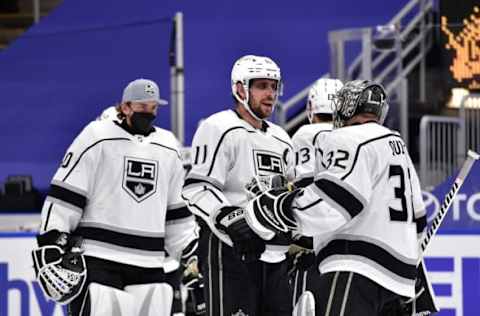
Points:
(453, 262)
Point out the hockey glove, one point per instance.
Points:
(271, 213)
(261, 184)
(302, 254)
(193, 282)
(59, 265)
(246, 244)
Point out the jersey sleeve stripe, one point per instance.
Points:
(190, 249)
(195, 206)
(64, 204)
(201, 182)
(345, 248)
(303, 182)
(69, 187)
(121, 239)
(68, 196)
(178, 213)
(87, 149)
(341, 196)
(309, 205)
(218, 146)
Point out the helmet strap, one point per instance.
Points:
(245, 102)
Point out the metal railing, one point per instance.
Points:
(470, 117)
(36, 11)
(282, 108)
(389, 54)
(407, 33)
(177, 80)
(440, 148)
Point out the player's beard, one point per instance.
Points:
(257, 110)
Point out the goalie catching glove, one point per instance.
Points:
(59, 265)
(271, 213)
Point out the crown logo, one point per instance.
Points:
(239, 313)
(139, 189)
(466, 63)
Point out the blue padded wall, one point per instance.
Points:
(64, 71)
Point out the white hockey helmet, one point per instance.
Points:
(321, 96)
(251, 67)
(360, 96)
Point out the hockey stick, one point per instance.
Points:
(427, 300)
(437, 221)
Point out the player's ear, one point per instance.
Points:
(240, 90)
(125, 108)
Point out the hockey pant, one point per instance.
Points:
(344, 293)
(233, 287)
(118, 289)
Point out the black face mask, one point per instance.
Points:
(142, 122)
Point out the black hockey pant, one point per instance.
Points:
(233, 287)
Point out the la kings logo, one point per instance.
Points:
(267, 162)
(140, 177)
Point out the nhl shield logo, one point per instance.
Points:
(140, 178)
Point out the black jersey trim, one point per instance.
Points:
(189, 204)
(304, 182)
(309, 205)
(49, 211)
(365, 143)
(369, 251)
(166, 147)
(178, 213)
(281, 140)
(67, 196)
(190, 250)
(190, 181)
(218, 146)
(122, 239)
(88, 148)
(318, 133)
(421, 223)
(341, 196)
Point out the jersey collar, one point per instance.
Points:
(129, 130)
(264, 127)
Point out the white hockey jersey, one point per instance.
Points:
(122, 194)
(375, 206)
(227, 152)
(305, 152)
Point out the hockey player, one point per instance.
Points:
(370, 214)
(319, 112)
(230, 148)
(119, 190)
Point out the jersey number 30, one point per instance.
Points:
(399, 193)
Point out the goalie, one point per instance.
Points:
(113, 211)
(365, 201)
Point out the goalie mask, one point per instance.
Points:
(360, 96)
(321, 96)
(254, 67)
